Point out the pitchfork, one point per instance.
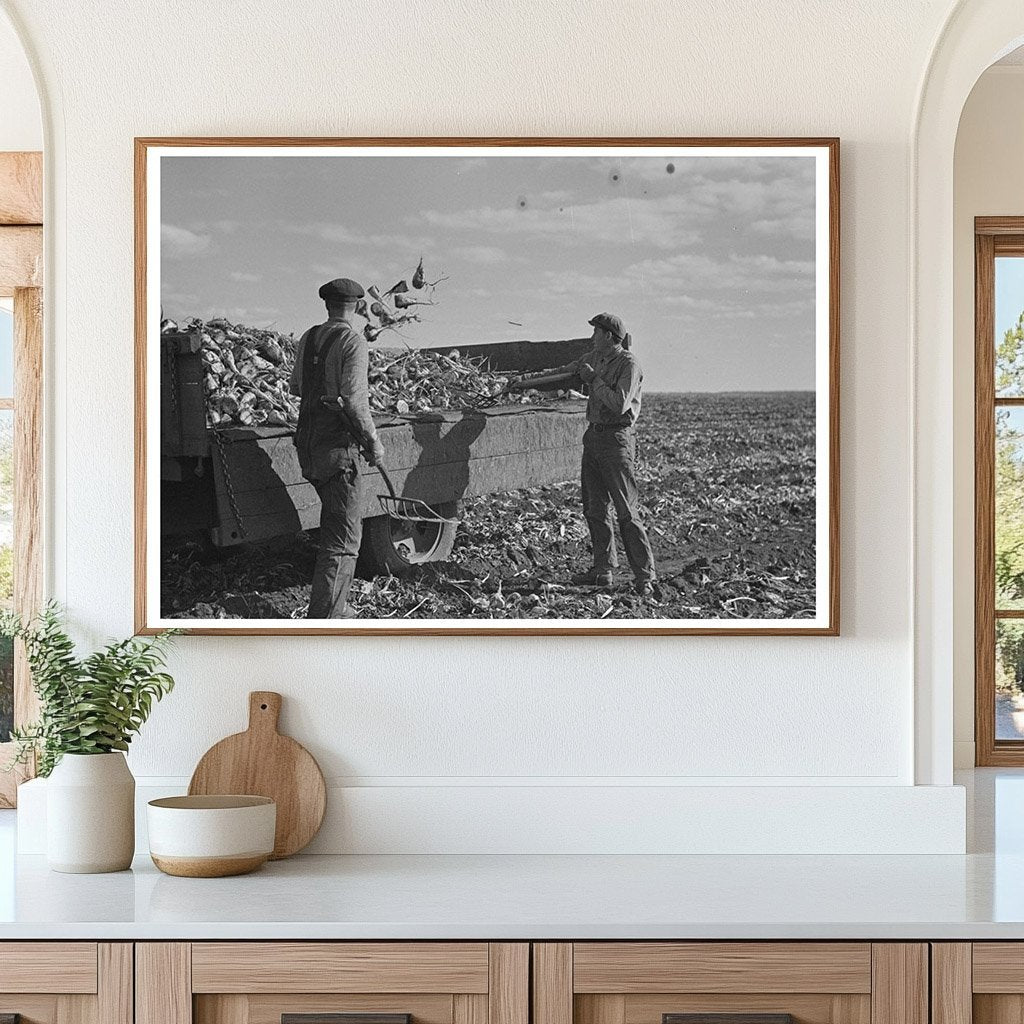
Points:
(409, 509)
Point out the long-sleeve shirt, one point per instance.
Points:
(616, 390)
(345, 372)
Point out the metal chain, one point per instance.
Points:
(171, 359)
(232, 501)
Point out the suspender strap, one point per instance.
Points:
(314, 360)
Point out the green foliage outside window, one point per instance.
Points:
(1009, 510)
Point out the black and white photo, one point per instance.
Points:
(470, 386)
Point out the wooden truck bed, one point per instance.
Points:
(439, 456)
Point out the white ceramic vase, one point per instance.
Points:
(90, 814)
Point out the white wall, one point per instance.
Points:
(21, 127)
(434, 715)
(987, 182)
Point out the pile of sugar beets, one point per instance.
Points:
(248, 369)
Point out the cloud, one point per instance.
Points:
(251, 316)
(686, 272)
(799, 226)
(726, 308)
(241, 275)
(556, 195)
(472, 163)
(699, 286)
(480, 253)
(617, 221)
(179, 243)
(179, 299)
(686, 167)
(703, 199)
(339, 234)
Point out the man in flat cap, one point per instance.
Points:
(608, 476)
(330, 376)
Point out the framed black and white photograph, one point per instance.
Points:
(487, 385)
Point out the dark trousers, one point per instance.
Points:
(608, 481)
(341, 530)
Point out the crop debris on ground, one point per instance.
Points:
(727, 485)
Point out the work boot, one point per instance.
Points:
(645, 588)
(593, 577)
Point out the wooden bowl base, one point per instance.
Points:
(209, 867)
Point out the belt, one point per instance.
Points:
(602, 427)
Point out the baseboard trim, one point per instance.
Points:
(717, 820)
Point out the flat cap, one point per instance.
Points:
(609, 322)
(341, 289)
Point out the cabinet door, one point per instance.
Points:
(730, 983)
(65, 983)
(980, 982)
(332, 983)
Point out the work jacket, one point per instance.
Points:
(616, 390)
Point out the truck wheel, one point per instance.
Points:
(396, 546)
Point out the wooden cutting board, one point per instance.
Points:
(262, 762)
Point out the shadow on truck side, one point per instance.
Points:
(443, 464)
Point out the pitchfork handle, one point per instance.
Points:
(365, 448)
(387, 480)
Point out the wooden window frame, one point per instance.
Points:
(21, 278)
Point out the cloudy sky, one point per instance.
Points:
(708, 260)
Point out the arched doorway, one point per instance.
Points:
(976, 34)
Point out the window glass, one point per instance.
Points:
(1009, 510)
(6, 518)
(6, 353)
(6, 567)
(1009, 679)
(1009, 327)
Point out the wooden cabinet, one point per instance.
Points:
(494, 983)
(754, 982)
(978, 983)
(66, 982)
(307, 982)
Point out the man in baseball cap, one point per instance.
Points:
(608, 471)
(330, 376)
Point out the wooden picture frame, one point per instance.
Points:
(822, 616)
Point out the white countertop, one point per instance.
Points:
(517, 897)
(977, 896)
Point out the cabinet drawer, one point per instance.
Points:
(332, 983)
(730, 983)
(633, 967)
(66, 982)
(340, 967)
(66, 967)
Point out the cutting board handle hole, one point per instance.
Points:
(263, 707)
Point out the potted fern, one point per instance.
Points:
(89, 710)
